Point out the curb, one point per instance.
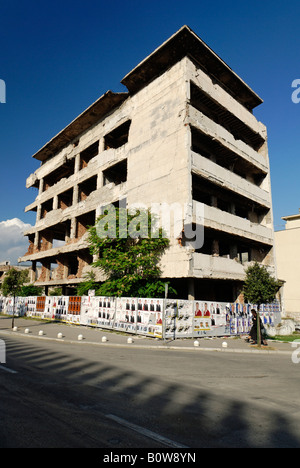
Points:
(154, 347)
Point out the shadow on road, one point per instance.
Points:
(194, 409)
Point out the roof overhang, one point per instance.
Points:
(99, 109)
(186, 43)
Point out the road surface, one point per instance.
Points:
(77, 395)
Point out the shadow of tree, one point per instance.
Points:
(151, 389)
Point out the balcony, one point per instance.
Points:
(215, 218)
(207, 266)
(227, 179)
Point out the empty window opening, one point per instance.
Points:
(212, 194)
(84, 222)
(65, 200)
(118, 137)
(45, 240)
(86, 188)
(54, 237)
(229, 246)
(212, 149)
(88, 154)
(31, 248)
(61, 231)
(53, 271)
(72, 265)
(84, 259)
(46, 208)
(116, 174)
(64, 171)
(219, 114)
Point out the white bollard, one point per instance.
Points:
(224, 344)
(59, 336)
(129, 340)
(104, 339)
(196, 343)
(27, 331)
(80, 337)
(15, 329)
(41, 333)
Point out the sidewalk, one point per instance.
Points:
(94, 336)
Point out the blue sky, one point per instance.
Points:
(58, 57)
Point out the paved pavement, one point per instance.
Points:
(95, 336)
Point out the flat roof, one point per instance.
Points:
(105, 104)
(287, 218)
(186, 43)
(183, 43)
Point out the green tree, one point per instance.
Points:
(87, 285)
(259, 288)
(12, 285)
(129, 247)
(30, 290)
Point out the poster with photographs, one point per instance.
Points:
(50, 307)
(202, 318)
(125, 316)
(219, 325)
(104, 309)
(31, 305)
(150, 317)
(178, 319)
(88, 316)
(61, 309)
(16, 306)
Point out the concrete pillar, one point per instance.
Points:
(32, 272)
(38, 213)
(191, 289)
(77, 163)
(55, 202)
(73, 228)
(214, 201)
(75, 194)
(215, 248)
(233, 251)
(36, 240)
(41, 186)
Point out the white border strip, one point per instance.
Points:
(7, 369)
(145, 432)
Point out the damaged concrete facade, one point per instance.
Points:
(183, 133)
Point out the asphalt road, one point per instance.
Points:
(78, 395)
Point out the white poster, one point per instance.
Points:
(104, 308)
(179, 319)
(150, 317)
(126, 312)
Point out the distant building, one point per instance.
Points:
(5, 267)
(287, 245)
(183, 133)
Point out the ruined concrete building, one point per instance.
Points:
(183, 133)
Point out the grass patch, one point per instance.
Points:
(286, 338)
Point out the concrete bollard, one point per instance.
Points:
(129, 340)
(27, 331)
(41, 333)
(224, 344)
(80, 337)
(104, 339)
(15, 329)
(59, 336)
(196, 343)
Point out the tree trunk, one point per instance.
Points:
(13, 316)
(258, 327)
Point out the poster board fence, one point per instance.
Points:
(158, 318)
